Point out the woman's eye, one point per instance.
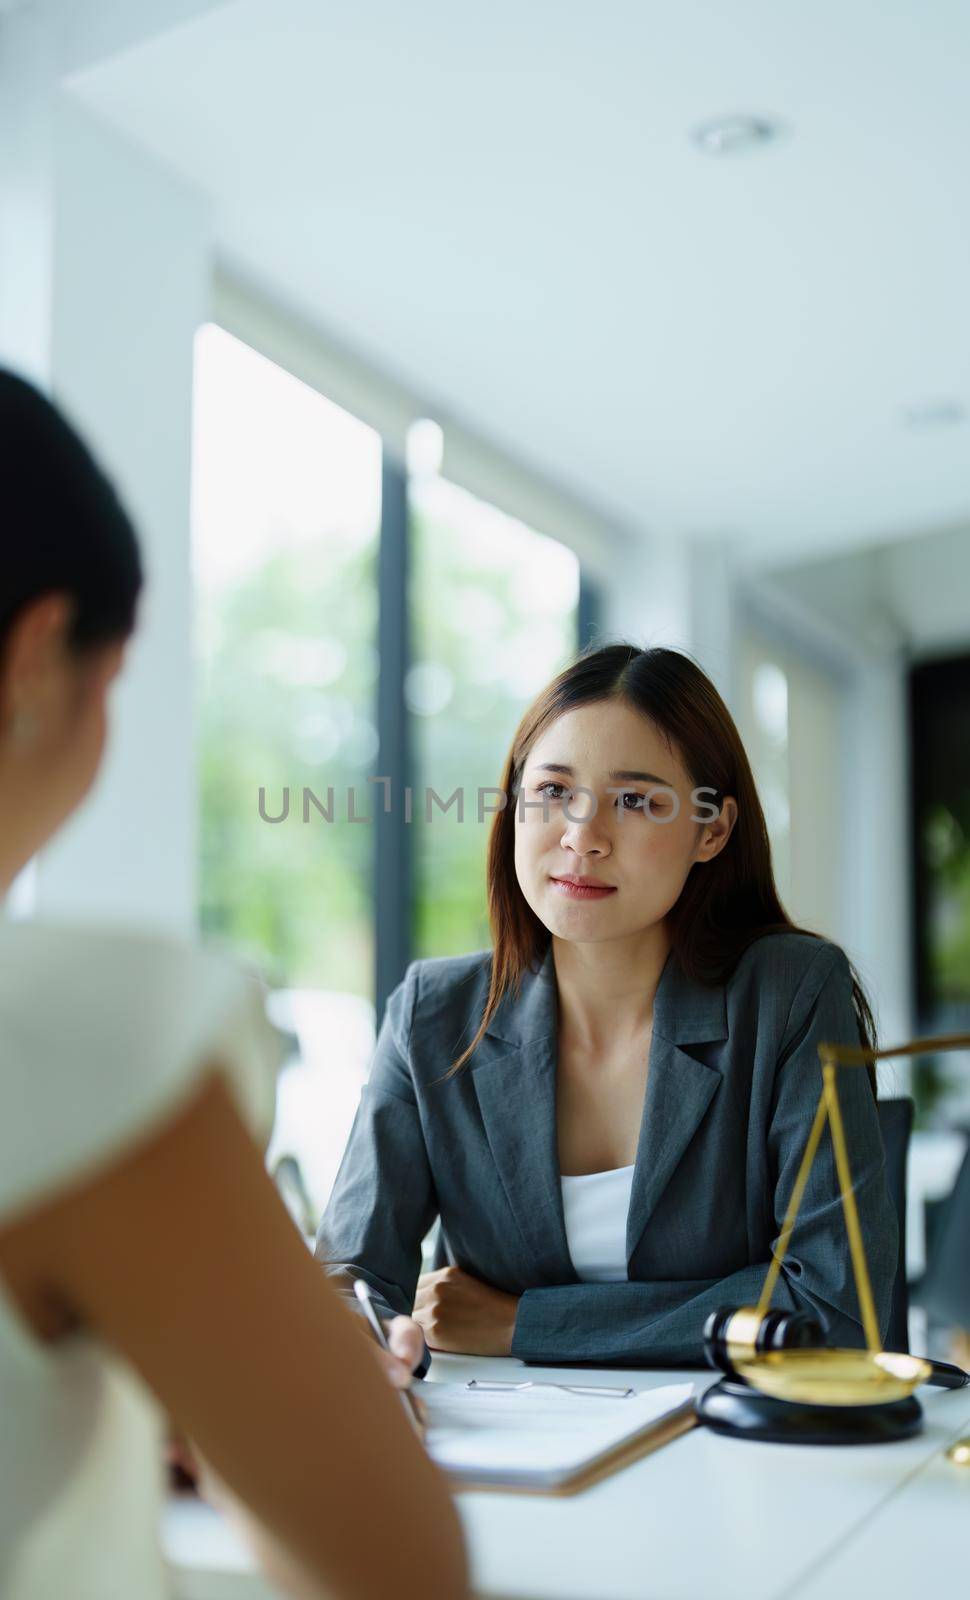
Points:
(653, 805)
(545, 788)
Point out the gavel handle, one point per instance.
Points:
(945, 1376)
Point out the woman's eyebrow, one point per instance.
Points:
(642, 777)
(618, 775)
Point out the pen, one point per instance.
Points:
(411, 1402)
(596, 1390)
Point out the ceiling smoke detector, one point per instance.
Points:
(734, 134)
(935, 414)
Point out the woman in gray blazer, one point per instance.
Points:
(607, 1110)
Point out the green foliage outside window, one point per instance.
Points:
(289, 673)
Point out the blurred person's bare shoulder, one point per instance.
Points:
(105, 1028)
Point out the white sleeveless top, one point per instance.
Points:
(595, 1208)
(101, 1035)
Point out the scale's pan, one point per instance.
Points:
(835, 1377)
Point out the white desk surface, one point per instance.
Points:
(703, 1516)
(917, 1541)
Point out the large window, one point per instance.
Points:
(290, 600)
(286, 510)
(494, 618)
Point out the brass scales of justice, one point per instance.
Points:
(806, 1393)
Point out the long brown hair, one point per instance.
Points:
(726, 903)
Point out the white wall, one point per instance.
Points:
(106, 275)
(842, 628)
(646, 594)
(800, 772)
(816, 708)
(28, 51)
(908, 594)
(712, 614)
(879, 919)
(130, 288)
(883, 607)
(925, 583)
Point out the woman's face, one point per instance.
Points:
(53, 717)
(597, 855)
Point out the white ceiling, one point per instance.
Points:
(501, 206)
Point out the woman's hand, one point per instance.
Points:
(407, 1350)
(460, 1313)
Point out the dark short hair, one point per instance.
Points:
(64, 529)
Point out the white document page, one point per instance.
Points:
(541, 1436)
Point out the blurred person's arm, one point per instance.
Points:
(182, 1256)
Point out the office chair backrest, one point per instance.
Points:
(945, 1289)
(895, 1125)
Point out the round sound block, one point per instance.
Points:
(744, 1413)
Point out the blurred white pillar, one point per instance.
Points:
(713, 615)
(878, 913)
(28, 74)
(672, 591)
(104, 277)
(646, 599)
(131, 286)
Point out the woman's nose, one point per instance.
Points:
(584, 833)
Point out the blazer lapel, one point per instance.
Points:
(679, 1091)
(514, 1073)
(679, 1088)
(515, 1084)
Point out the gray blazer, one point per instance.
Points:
(732, 1087)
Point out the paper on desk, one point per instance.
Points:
(536, 1436)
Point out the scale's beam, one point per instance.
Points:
(852, 1055)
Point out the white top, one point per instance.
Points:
(102, 1034)
(595, 1208)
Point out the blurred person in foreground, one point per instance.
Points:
(147, 1266)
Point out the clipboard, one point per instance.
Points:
(623, 1456)
(550, 1444)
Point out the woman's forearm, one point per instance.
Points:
(234, 1328)
(657, 1323)
(279, 1566)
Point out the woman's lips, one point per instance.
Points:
(582, 888)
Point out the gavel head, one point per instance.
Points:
(737, 1333)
